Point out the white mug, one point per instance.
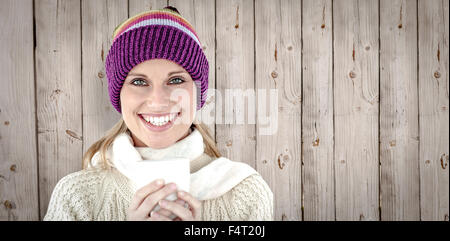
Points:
(173, 170)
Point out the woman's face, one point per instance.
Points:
(162, 92)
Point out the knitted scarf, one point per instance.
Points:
(212, 180)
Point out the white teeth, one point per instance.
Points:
(172, 116)
(160, 121)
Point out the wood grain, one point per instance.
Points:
(433, 109)
(18, 163)
(138, 6)
(356, 109)
(317, 111)
(399, 120)
(58, 92)
(278, 66)
(235, 71)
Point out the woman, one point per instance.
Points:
(156, 58)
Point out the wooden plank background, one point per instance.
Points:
(363, 99)
(356, 109)
(317, 113)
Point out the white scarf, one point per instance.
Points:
(211, 181)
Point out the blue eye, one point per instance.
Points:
(180, 81)
(134, 81)
(172, 81)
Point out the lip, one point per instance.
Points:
(154, 128)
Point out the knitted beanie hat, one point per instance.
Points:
(155, 34)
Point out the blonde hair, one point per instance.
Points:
(120, 127)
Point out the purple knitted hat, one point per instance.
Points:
(155, 34)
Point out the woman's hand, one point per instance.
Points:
(146, 198)
(191, 213)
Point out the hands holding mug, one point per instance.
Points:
(154, 193)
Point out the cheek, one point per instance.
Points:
(128, 104)
(192, 102)
(128, 98)
(185, 98)
(190, 97)
(182, 96)
(192, 90)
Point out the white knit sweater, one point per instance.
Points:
(98, 194)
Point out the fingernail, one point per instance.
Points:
(173, 186)
(159, 181)
(181, 193)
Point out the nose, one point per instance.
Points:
(158, 97)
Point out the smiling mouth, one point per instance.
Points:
(159, 120)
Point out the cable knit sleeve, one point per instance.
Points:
(73, 196)
(250, 200)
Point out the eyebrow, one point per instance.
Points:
(170, 73)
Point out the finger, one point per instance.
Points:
(143, 192)
(181, 202)
(192, 201)
(177, 209)
(168, 213)
(165, 212)
(151, 200)
(156, 216)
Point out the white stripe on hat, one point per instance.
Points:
(168, 22)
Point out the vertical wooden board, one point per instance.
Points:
(201, 15)
(99, 19)
(356, 109)
(399, 132)
(137, 6)
(235, 71)
(433, 109)
(18, 164)
(278, 67)
(58, 92)
(317, 111)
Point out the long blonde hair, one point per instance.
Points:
(105, 142)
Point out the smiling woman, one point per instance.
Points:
(157, 79)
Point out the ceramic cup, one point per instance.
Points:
(173, 170)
